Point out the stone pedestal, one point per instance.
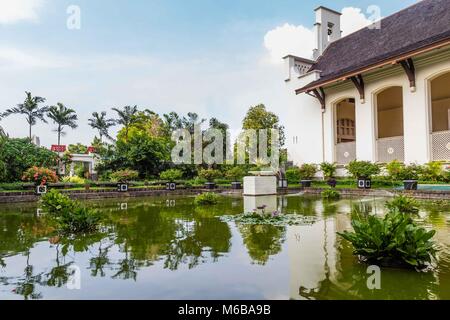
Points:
(260, 186)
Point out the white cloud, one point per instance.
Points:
(14, 58)
(12, 11)
(299, 40)
(353, 19)
(289, 39)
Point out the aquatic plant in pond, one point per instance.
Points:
(403, 204)
(394, 240)
(69, 215)
(208, 198)
(274, 219)
(331, 194)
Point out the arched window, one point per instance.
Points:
(345, 131)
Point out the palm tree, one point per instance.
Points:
(127, 116)
(63, 117)
(30, 108)
(102, 124)
(2, 131)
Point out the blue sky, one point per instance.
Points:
(209, 56)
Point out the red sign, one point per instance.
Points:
(57, 148)
(91, 150)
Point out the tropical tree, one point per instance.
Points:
(62, 116)
(127, 116)
(102, 124)
(30, 108)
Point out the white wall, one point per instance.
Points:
(302, 120)
(304, 114)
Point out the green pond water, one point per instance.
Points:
(166, 248)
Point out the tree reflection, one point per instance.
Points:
(262, 241)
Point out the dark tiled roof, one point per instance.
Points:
(419, 26)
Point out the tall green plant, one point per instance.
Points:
(62, 117)
(328, 169)
(31, 109)
(126, 117)
(102, 124)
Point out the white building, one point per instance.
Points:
(379, 94)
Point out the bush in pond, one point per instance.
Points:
(69, 215)
(403, 204)
(394, 240)
(207, 198)
(331, 194)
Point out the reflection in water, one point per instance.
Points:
(150, 248)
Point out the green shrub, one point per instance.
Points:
(411, 172)
(236, 173)
(171, 175)
(209, 174)
(328, 169)
(403, 204)
(188, 184)
(330, 194)
(80, 170)
(69, 215)
(293, 175)
(307, 171)
(432, 171)
(392, 240)
(17, 155)
(40, 176)
(208, 198)
(395, 170)
(74, 179)
(11, 186)
(363, 169)
(124, 175)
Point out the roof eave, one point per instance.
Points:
(318, 84)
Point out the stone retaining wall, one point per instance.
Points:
(425, 195)
(12, 197)
(28, 196)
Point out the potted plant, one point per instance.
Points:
(236, 174)
(410, 175)
(307, 173)
(209, 175)
(171, 176)
(329, 171)
(363, 172)
(123, 178)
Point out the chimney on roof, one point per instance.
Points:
(327, 29)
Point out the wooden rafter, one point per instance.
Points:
(319, 94)
(410, 70)
(358, 81)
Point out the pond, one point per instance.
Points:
(166, 248)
